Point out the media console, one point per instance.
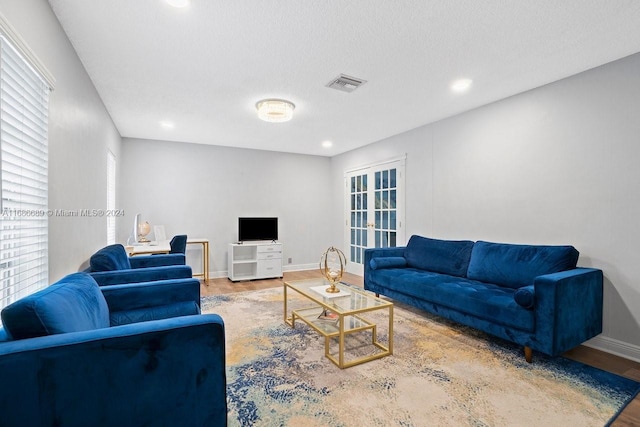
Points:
(254, 260)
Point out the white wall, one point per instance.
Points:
(80, 132)
(201, 190)
(555, 165)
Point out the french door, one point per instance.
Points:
(374, 210)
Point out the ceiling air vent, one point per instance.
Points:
(345, 83)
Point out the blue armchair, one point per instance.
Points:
(64, 362)
(112, 266)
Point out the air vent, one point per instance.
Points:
(345, 83)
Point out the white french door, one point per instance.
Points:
(374, 210)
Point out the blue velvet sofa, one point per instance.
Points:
(76, 354)
(112, 266)
(531, 295)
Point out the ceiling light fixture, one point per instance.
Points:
(327, 144)
(167, 125)
(275, 110)
(178, 3)
(461, 85)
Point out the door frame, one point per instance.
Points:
(353, 267)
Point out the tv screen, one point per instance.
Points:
(257, 229)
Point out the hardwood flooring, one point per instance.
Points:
(630, 417)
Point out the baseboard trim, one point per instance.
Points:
(616, 347)
(299, 267)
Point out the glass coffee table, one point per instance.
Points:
(343, 317)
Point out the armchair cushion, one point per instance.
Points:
(109, 258)
(72, 304)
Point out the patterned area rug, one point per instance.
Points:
(441, 374)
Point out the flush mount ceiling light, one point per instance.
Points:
(461, 85)
(275, 110)
(178, 3)
(165, 124)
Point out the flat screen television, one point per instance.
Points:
(257, 229)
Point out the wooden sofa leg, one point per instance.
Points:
(528, 354)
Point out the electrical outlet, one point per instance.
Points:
(289, 260)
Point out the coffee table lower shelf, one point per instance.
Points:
(343, 326)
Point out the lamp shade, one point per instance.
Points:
(275, 110)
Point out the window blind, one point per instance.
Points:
(24, 99)
(111, 198)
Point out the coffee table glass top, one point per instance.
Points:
(350, 300)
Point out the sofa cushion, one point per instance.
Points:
(109, 258)
(483, 300)
(440, 256)
(74, 303)
(388, 262)
(516, 266)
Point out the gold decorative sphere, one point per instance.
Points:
(332, 265)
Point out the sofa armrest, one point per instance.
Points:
(568, 308)
(169, 372)
(146, 261)
(136, 275)
(134, 296)
(370, 254)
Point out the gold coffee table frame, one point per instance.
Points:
(349, 309)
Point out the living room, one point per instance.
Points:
(555, 164)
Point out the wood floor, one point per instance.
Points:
(589, 356)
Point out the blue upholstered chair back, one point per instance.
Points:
(74, 303)
(178, 244)
(110, 258)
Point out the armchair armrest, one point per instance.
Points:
(141, 302)
(146, 261)
(568, 308)
(149, 294)
(136, 275)
(138, 374)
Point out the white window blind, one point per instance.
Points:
(24, 99)
(111, 197)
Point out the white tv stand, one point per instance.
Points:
(254, 260)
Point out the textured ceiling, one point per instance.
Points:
(204, 67)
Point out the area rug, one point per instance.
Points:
(441, 374)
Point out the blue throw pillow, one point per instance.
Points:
(75, 303)
(515, 266)
(440, 256)
(525, 297)
(110, 258)
(388, 262)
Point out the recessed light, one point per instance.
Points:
(178, 3)
(327, 144)
(167, 125)
(461, 85)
